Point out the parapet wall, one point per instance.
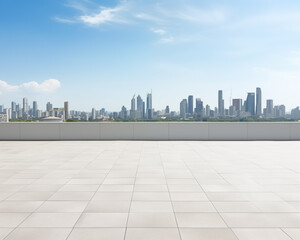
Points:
(150, 131)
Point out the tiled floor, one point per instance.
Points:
(119, 190)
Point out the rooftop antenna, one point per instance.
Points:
(230, 97)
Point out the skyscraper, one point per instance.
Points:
(191, 104)
(139, 107)
(34, 109)
(220, 103)
(207, 110)
(167, 111)
(237, 104)
(93, 114)
(250, 103)
(132, 109)
(66, 110)
(183, 108)
(149, 106)
(133, 103)
(25, 106)
(49, 106)
(270, 108)
(199, 107)
(258, 102)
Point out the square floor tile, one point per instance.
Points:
(207, 234)
(97, 234)
(108, 207)
(39, 233)
(200, 220)
(152, 234)
(153, 206)
(11, 220)
(104, 220)
(63, 220)
(145, 220)
(193, 207)
(62, 206)
(260, 234)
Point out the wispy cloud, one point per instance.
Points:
(153, 15)
(158, 31)
(47, 86)
(106, 15)
(167, 40)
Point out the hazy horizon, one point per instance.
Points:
(100, 53)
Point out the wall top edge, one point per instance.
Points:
(152, 123)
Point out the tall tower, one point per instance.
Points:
(93, 114)
(220, 103)
(191, 104)
(270, 108)
(34, 108)
(133, 103)
(149, 106)
(199, 107)
(250, 104)
(25, 106)
(139, 107)
(132, 110)
(183, 108)
(66, 108)
(49, 106)
(258, 102)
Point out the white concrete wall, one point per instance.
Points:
(150, 131)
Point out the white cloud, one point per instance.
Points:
(47, 86)
(64, 20)
(167, 40)
(158, 31)
(7, 87)
(104, 16)
(197, 16)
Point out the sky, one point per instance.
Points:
(99, 53)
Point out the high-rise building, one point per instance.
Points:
(93, 114)
(123, 113)
(149, 106)
(139, 107)
(220, 103)
(14, 113)
(270, 108)
(133, 103)
(49, 106)
(199, 107)
(258, 102)
(207, 110)
(167, 111)
(34, 109)
(25, 106)
(1, 108)
(191, 104)
(250, 104)
(66, 110)
(237, 104)
(183, 108)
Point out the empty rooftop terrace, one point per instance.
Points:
(149, 190)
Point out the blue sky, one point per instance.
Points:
(99, 53)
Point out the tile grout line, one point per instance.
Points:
(208, 198)
(72, 229)
(163, 167)
(136, 173)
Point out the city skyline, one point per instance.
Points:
(57, 50)
(189, 108)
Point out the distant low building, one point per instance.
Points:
(51, 119)
(4, 118)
